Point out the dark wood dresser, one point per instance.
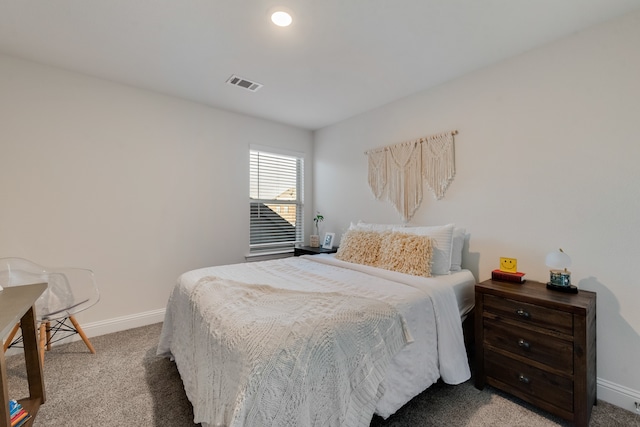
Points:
(539, 345)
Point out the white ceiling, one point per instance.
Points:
(338, 59)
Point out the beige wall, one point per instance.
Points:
(547, 156)
(137, 186)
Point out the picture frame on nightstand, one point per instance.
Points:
(327, 242)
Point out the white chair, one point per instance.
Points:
(69, 291)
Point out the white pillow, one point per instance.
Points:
(456, 249)
(367, 226)
(442, 243)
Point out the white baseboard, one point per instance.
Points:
(118, 324)
(618, 395)
(109, 326)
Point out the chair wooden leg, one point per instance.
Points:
(82, 334)
(12, 334)
(48, 329)
(42, 341)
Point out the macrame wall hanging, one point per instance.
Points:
(397, 172)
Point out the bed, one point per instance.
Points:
(313, 340)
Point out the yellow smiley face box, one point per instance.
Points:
(509, 265)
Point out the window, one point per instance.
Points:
(275, 198)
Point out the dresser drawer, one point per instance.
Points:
(530, 314)
(553, 389)
(548, 350)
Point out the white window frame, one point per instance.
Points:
(259, 245)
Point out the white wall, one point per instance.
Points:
(137, 186)
(547, 156)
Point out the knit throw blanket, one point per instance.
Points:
(274, 357)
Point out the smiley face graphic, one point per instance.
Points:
(510, 265)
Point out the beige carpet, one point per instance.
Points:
(125, 383)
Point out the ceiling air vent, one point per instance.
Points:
(244, 83)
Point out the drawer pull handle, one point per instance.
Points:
(524, 344)
(522, 313)
(523, 379)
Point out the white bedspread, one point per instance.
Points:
(428, 306)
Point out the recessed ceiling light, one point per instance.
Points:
(281, 18)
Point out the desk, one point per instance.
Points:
(17, 304)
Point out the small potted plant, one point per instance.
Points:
(314, 239)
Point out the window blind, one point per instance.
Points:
(275, 198)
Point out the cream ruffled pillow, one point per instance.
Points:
(441, 243)
(406, 253)
(360, 247)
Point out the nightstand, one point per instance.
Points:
(308, 250)
(539, 345)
